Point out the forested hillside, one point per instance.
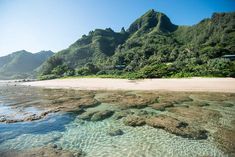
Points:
(21, 64)
(152, 47)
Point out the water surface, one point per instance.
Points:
(69, 132)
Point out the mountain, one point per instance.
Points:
(151, 47)
(21, 64)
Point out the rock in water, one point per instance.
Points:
(96, 115)
(102, 115)
(177, 127)
(134, 121)
(115, 132)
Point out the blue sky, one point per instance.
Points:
(36, 25)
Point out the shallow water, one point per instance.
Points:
(69, 132)
(93, 138)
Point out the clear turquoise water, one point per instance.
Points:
(69, 132)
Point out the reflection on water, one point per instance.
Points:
(53, 123)
(69, 132)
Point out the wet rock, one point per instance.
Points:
(115, 132)
(87, 115)
(101, 115)
(220, 97)
(162, 106)
(3, 119)
(31, 117)
(120, 114)
(79, 153)
(59, 148)
(195, 114)
(13, 120)
(38, 152)
(79, 111)
(200, 103)
(174, 126)
(174, 97)
(134, 121)
(142, 113)
(225, 139)
(96, 115)
(52, 145)
(128, 100)
(227, 104)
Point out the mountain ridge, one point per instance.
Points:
(151, 47)
(21, 63)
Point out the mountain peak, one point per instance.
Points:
(150, 20)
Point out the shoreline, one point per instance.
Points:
(225, 85)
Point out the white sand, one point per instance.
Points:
(186, 84)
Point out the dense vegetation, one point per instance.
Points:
(21, 64)
(152, 47)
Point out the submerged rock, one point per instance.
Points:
(176, 127)
(115, 132)
(134, 121)
(196, 114)
(96, 115)
(128, 100)
(174, 98)
(101, 115)
(52, 145)
(3, 119)
(87, 115)
(39, 152)
(227, 104)
(200, 103)
(225, 139)
(162, 106)
(120, 114)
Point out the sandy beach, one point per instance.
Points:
(185, 84)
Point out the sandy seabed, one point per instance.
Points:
(182, 84)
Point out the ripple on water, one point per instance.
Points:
(93, 138)
(71, 133)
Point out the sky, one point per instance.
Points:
(36, 25)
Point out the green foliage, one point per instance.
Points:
(220, 67)
(88, 69)
(154, 71)
(151, 47)
(22, 64)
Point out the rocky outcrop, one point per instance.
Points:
(134, 121)
(128, 100)
(40, 152)
(169, 124)
(31, 117)
(174, 98)
(96, 115)
(162, 106)
(199, 103)
(115, 132)
(120, 114)
(227, 104)
(101, 115)
(195, 114)
(225, 138)
(177, 127)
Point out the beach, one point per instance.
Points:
(103, 117)
(182, 84)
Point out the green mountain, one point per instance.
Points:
(21, 64)
(151, 47)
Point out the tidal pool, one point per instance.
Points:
(76, 128)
